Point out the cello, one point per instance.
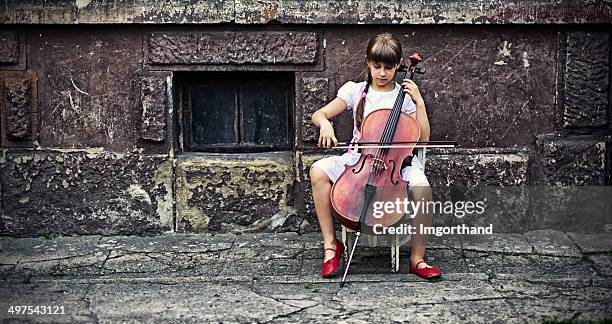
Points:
(376, 176)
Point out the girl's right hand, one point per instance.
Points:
(327, 138)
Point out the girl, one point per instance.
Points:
(383, 58)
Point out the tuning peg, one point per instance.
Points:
(415, 58)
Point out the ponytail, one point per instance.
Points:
(361, 104)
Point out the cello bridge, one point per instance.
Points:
(379, 163)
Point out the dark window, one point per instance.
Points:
(238, 112)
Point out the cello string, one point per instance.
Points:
(385, 134)
(388, 132)
(390, 128)
(394, 118)
(379, 152)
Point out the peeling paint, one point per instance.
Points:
(80, 4)
(163, 179)
(90, 150)
(573, 161)
(309, 12)
(211, 187)
(492, 158)
(503, 54)
(136, 192)
(90, 195)
(525, 60)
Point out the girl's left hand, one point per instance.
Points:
(413, 90)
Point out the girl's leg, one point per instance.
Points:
(417, 251)
(321, 187)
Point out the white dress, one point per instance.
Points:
(350, 93)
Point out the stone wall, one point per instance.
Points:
(91, 115)
(305, 12)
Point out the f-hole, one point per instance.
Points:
(395, 182)
(362, 164)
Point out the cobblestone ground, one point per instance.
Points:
(532, 277)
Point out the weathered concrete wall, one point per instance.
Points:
(88, 88)
(449, 169)
(85, 192)
(84, 134)
(217, 192)
(91, 116)
(484, 87)
(9, 53)
(305, 12)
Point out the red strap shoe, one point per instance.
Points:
(427, 273)
(331, 266)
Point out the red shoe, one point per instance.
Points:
(331, 266)
(427, 273)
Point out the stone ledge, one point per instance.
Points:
(460, 168)
(85, 192)
(473, 168)
(233, 192)
(574, 160)
(305, 12)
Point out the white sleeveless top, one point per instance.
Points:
(350, 93)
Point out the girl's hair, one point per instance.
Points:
(382, 48)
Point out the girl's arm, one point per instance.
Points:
(321, 118)
(421, 114)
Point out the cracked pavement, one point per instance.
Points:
(530, 277)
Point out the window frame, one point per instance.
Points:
(230, 78)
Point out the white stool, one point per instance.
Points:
(394, 240)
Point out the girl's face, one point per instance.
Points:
(381, 74)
